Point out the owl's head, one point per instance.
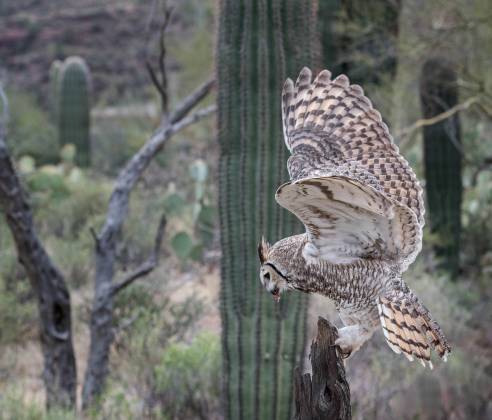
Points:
(271, 276)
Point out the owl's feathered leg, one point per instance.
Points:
(409, 328)
(359, 327)
(351, 338)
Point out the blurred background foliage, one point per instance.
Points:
(166, 356)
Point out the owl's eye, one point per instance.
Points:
(267, 276)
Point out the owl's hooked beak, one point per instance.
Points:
(276, 294)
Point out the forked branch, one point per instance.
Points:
(405, 134)
(107, 238)
(160, 80)
(148, 265)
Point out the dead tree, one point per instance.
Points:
(107, 238)
(47, 282)
(325, 395)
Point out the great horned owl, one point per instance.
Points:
(362, 207)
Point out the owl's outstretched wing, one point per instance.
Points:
(354, 192)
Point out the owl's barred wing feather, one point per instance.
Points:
(331, 129)
(329, 125)
(346, 220)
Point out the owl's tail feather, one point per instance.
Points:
(409, 328)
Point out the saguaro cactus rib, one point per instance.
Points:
(260, 43)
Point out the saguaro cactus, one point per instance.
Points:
(73, 110)
(260, 43)
(54, 74)
(442, 159)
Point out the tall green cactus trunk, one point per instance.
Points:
(74, 91)
(54, 75)
(260, 43)
(442, 159)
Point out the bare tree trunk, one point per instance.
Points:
(106, 241)
(59, 375)
(327, 394)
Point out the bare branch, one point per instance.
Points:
(160, 82)
(162, 60)
(105, 253)
(94, 236)
(156, 82)
(106, 240)
(150, 18)
(147, 266)
(191, 101)
(405, 134)
(137, 164)
(487, 111)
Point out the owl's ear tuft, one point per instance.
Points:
(263, 247)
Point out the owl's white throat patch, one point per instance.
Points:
(273, 280)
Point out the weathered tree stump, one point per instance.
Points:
(325, 395)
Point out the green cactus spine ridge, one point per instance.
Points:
(260, 44)
(74, 97)
(54, 75)
(442, 160)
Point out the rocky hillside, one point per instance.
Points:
(112, 36)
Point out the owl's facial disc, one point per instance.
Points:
(272, 281)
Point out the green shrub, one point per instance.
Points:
(132, 302)
(188, 378)
(145, 323)
(73, 258)
(115, 141)
(154, 322)
(13, 406)
(115, 404)
(66, 204)
(17, 310)
(47, 185)
(30, 130)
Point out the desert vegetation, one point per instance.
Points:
(141, 146)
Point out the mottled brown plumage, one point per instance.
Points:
(363, 211)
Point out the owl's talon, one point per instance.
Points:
(343, 354)
(346, 355)
(350, 339)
